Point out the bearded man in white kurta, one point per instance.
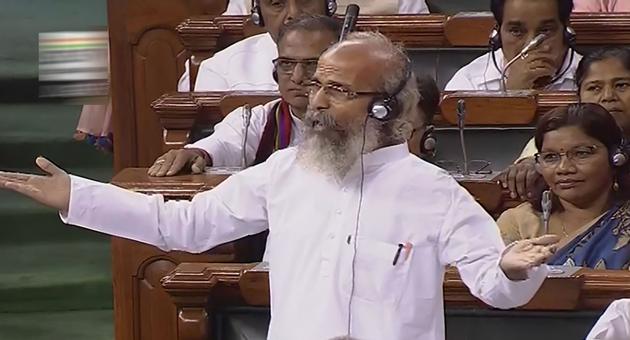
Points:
(360, 230)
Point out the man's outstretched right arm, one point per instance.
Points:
(234, 209)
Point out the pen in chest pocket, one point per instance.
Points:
(403, 249)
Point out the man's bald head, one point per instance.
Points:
(372, 63)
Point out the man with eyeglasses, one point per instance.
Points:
(246, 64)
(273, 126)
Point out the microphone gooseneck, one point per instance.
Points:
(461, 122)
(247, 119)
(545, 204)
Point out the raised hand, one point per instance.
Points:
(533, 72)
(52, 190)
(177, 161)
(521, 179)
(526, 254)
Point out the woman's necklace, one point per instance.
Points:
(564, 229)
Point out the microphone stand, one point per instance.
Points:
(461, 121)
(546, 209)
(247, 118)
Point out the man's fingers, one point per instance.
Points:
(15, 176)
(545, 240)
(520, 181)
(199, 165)
(166, 165)
(48, 166)
(22, 188)
(503, 178)
(530, 179)
(511, 180)
(180, 161)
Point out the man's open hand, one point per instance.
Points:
(526, 254)
(52, 190)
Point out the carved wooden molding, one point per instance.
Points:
(178, 112)
(434, 30)
(587, 289)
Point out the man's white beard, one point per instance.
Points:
(330, 150)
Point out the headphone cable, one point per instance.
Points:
(356, 228)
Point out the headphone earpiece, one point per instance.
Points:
(570, 37)
(428, 142)
(385, 107)
(495, 39)
(256, 15)
(620, 157)
(258, 20)
(331, 7)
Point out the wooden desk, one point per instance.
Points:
(200, 289)
(178, 112)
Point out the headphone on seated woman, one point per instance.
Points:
(258, 20)
(620, 156)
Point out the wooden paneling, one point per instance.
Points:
(143, 310)
(147, 58)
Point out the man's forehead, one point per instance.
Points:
(522, 11)
(350, 64)
(303, 43)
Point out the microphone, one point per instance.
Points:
(461, 122)
(247, 118)
(545, 204)
(349, 21)
(522, 54)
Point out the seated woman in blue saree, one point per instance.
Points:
(584, 162)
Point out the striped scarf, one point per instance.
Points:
(277, 133)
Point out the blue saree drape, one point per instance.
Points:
(605, 245)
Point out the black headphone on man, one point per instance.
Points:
(258, 20)
(386, 107)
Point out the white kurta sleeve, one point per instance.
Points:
(237, 7)
(461, 82)
(412, 7)
(234, 209)
(614, 324)
(183, 85)
(225, 145)
(470, 239)
(210, 77)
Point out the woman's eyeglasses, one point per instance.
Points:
(578, 155)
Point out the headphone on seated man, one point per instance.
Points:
(258, 20)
